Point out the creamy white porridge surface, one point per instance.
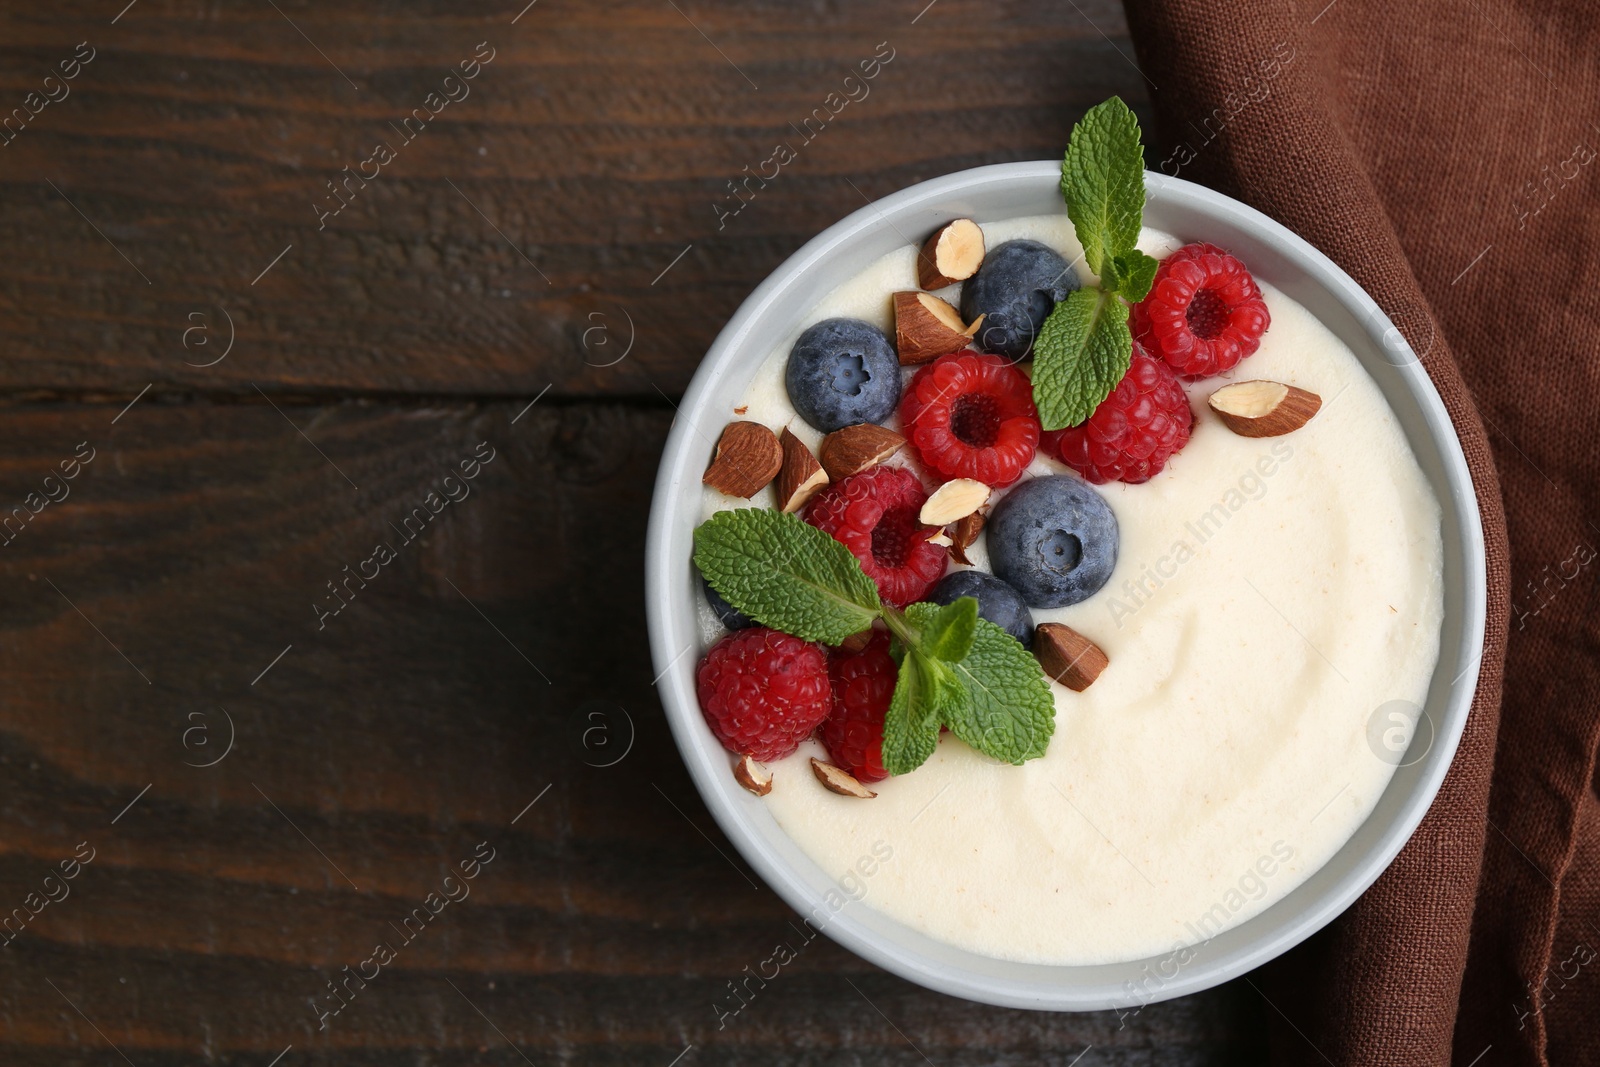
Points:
(1269, 596)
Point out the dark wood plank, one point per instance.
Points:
(591, 153)
(378, 751)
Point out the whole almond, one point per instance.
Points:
(748, 458)
(855, 448)
(801, 475)
(1264, 409)
(1068, 656)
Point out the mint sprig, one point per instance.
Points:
(1084, 347)
(956, 669)
(1102, 181)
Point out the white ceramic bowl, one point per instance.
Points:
(776, 309)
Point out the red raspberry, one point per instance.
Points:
(875, 515)
(970, 415)
(763, 692)
(1204, 313)
(863, 684)
(1134, 431)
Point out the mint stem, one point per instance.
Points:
(900, 626)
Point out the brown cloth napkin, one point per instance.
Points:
(1441, 154)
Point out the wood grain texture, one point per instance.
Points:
(168, 601)
(593, 150)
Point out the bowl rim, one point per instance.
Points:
(682, 456)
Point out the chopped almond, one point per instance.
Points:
(1264, 409)
(801, 475)
(926, 328)
(1068, 656)
(855, 448)
(838, 780)
(951, 255)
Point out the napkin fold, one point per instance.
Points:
(1441, 154)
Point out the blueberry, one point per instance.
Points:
(1054, 539)
(1015, 290)
(997, 601)
(730, 616)
(841, 372)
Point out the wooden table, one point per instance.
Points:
(259, 344)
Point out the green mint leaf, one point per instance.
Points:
(911, 725)
(1082, 352)
(1102, 180)
(1006, 710)
(947, 635)
(1129, 275)
(786, 574)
